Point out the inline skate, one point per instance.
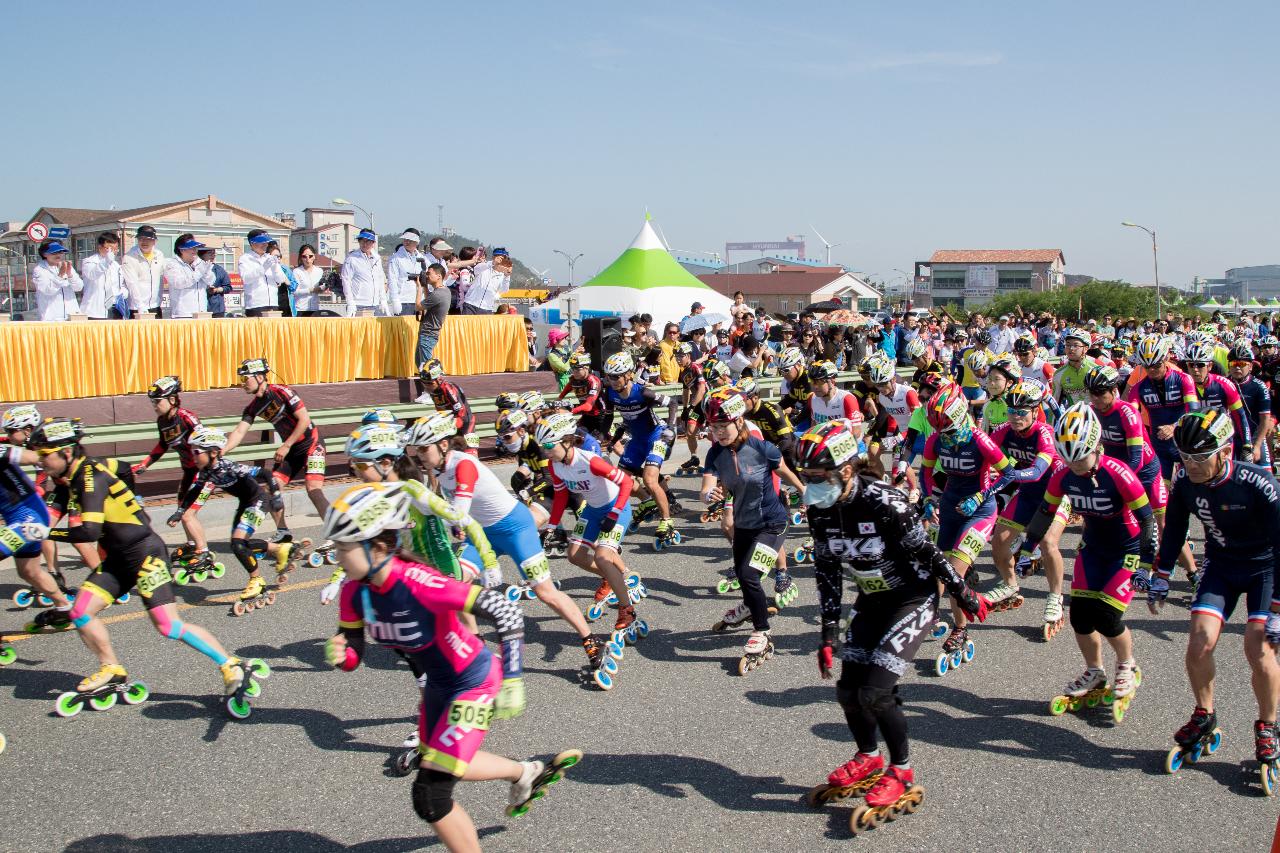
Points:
(555, 542)
(1267, 750)
(713, 512)
(194, 566)
(666, 535)
(1004, 596)
(759, 648)
(26, 596)
(537, 778)
(100, 691)
(893, 795)
(1054, 619)
(1200, 736)
(804, 553)
(957, 648)
(240, 684)
(785, 589)
(732, 618)
(690, 468)
(254, 597)
(602, 665)
(636, 591)
(643, 512)
(852, 779)
(326, 552)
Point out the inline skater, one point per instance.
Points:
(918, 354)
(693, 390)
(1118, 538)
(1002, 373)
(111, 517)
(449, 398)
(474, 490)
(966, 509)
(827, 402)
(744, 468)
(796, 389)
(589, 391)
(25, 520)
(465, 682)
(596, 543)
(175, 425)
(864, 529)
(650, 441)
(1217, 392)
(1030, 364)
(1239, 506)
(1257, 402)
(531, 481)
(1028, 441)
(1165, 394)
(301, 450)
(764, 415)
(1068, 381)
(215, 471)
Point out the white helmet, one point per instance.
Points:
(362, 512)
(791, 357)
(914, 348)
(552, 429)
(619, 364)
(374, 441)
(207, 438)
(1077, 433)
(880, 371)
(1152, 350)
(429, 430)
(977, 360)
(22, 417)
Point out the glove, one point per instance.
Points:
(1157, 592)
(1024, 564)
(174, 518)
(1141, 579)
(558, 535)
(510, 702)
(520, 480)
(492, 577)
(970, 505)
(973, 605)
(338, 653)
(826, 653)
(137, 468)
(608, 523)
(899, 471)
(930, 509)
(889, 442)
(330, 592)
(1273, 629)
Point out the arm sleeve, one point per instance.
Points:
(428, 502)
(602, 468)
(1135, 498)
(904, 526)
(1177, 518)
(589, 402)
(1133, 436)
(509, 620)
(559, 498)
(466, 475)
(828, 575)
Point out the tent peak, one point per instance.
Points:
(647, 238)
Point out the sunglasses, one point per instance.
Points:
(507, 436)
(1197, 458)
(361, 466)
(1018, 413)
(1194, 364)
(1241, 363)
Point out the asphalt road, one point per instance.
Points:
(682, 755)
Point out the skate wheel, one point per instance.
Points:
(862, 819)
(704, 517)
(939, 631)
(282, 579)
(124, 599)
(405, 762)
(69, 704)
(1269, 775)
(969, 650)
(24, 598)
(615, 649)
(633, 580)
(797, 517)
(513, 594)
(315, 560)
(1092, 701)
(1173, 760)
(136, 694)
(1137, 677)
(1118, 709)
(603, 679)
(594, 612)
(744, 665)
(250, 606)
(943, 663)
(609, 665)
(253, 689)
(529, 594)
(676, 538)
(632, 635)
(914, 799)
(1048, 631)
(642, 629)
(1215, 741)
(44, 600)
(1058, 705)
(657, 545)
(200, 577)
(218, 570)
(3, 743)
(103, 703)
(237, 608)
(238, 707)
(331, 558)
(8, 655)
(271, 598)
(818, 796)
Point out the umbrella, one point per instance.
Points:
(845, 316)
(824, 307)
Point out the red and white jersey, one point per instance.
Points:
(900, 404)
(588, 475)
(475, 490)
(1039, 370)
(841, 405)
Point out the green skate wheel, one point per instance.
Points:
(8, 655)
(136, 694)
(218, 570)
(258, 667)
(1092, 701)
(1119, 708)
(723, 586)
(1173, 760)
(200, 576)
(1058, 706)
(24, 598)
(103, 703)
(180, 577)
(238, 707)
(253, 689)
(69, 704)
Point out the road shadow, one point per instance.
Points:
(280, 841)
(667, 775)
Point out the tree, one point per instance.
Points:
(1093, 300)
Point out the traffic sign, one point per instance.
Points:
(59, 233)
(37, 231)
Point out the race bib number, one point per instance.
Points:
(580, 529)
(1130, 562)
(11, 540)
(536, 570)
(971, 544)
(613, 538)
(659, 449)
(763, 559)
(472, 440)
(315, 462)
(471, 715)
(153, 575)
(872, 581)
(252, 518)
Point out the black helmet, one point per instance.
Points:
(1205, 431)
(1102, 378)
(982, 337)
(1024, 344)
(165, 386)
(1241, 350)
(55, 433)
(253, 367)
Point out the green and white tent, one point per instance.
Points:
(645, 279)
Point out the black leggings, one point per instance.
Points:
(879, 646)
(749, 543)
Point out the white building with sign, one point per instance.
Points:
(972, 277)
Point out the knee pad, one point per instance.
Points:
(878, 700)
(244, 552)
(433, 794)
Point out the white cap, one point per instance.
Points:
(440, 244)
(409, 235)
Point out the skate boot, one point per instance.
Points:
(240, 684)
(713, 512)
(536, 778)
(644, 510)
(232, 676)
(732, 618)
(254, 596)
(101, 691)
(957, 648)
(852, 779)
(666, 535)
(285, 561)
(1087, 690)
(785, 589)
(48, 621)
(1266, 748)
(1004, 596)
(728, 583)
(602, 666)
(1199, 736)
(557, 543)
(603, 591)
(198, 566)
(1126, 683)
(759, 649)
(628, 629)
(690, 467)
(282, 534)
(894, 794)
(1053, 618)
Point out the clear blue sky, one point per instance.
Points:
(893, 128)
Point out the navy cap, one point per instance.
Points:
(366, 234)
(500, 251)
(55, 248)
(145, 231)
(261, 238)
(191, 244)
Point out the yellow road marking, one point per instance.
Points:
(182, 605)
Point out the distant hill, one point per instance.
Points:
(521, 275)
(1076, 280)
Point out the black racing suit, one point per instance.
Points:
(876, 538)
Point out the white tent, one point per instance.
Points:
(645, 279)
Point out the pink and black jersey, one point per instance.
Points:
(1111, 501)
(1124, 437)
(968, 464)
(1219, 392)
(281, 406)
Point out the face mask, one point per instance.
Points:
(512, 446)
(821, 495)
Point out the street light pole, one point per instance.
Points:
(1155, 262)
(343, 201)
(572, 260)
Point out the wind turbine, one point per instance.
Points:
(542, 274)
(829, 246)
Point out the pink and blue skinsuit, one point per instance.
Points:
(968, 461)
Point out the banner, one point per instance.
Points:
(981, 282)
